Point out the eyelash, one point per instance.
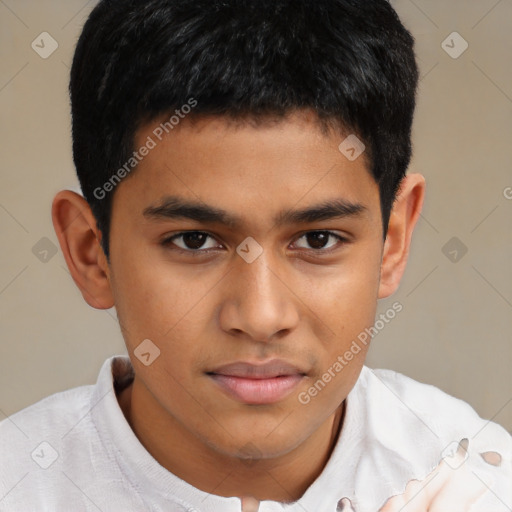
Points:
(167, 242)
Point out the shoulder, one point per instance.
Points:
(41, 425)
(56, 411)
(31, 442)
(64, 411)
(52, 448)
(410, 427)
(404, 399)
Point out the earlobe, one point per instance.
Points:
(403, 218)
(79, 239)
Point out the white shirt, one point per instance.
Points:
(74, 450)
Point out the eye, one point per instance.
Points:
(192, 242)
(195, 242)
(318, 240)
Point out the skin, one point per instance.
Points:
(293, 302)
(452, 485)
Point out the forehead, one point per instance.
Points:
(245, 168)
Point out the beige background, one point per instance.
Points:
(455, 328)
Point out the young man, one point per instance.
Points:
(245, 206)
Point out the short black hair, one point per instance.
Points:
(351, 61)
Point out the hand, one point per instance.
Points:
(453, 485)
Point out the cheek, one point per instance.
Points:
(347, 301)
(155, 300)
(347, 305)
(157, 305)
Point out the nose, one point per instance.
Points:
(259, 303)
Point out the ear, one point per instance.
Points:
(404, 215)
(79, 239)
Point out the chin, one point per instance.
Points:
(260, 445)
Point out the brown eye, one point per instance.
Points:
(194, 240)
(318, 240)
(190, 241)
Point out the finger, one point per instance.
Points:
(419, 495)
(414, 499)
(460, 499)
(444, 471)
(416, 496)
(462, 491)
(394, 504)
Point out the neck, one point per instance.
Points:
(282, 479)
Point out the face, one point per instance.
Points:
(247, 300)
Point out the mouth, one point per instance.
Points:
(251, 383)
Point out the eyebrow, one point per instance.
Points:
(175, 207)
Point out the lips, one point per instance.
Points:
(257, 383)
